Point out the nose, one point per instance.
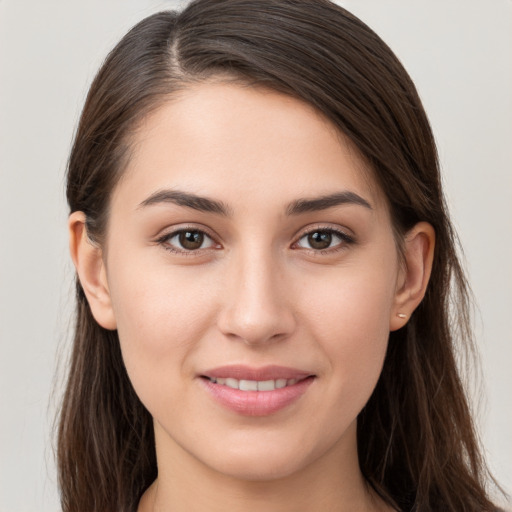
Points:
(257, 306)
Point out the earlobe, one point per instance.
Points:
(90, 267)
(419, 246)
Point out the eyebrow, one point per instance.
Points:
(326, 202)
(202, 204)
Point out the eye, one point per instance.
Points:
(187, 240)
(324, 239)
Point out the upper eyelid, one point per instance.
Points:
(319, 227)
(175, 230)
(170, 232)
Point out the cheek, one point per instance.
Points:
(157, 304)
(350, 319)
(161, 315)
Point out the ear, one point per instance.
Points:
(90, 267)
(414, 276)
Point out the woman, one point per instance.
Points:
(265, 268)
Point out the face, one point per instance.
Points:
(252, 271)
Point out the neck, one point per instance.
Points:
(330, 484)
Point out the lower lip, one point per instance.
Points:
(257, 403)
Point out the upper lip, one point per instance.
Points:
(241, 372)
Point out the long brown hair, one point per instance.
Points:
(416, 441)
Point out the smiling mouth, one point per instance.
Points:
(261, 391)
(252, 391)
(254, 385)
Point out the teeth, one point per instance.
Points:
(254, 385)
(266, 385)
(232, 383)
(280, 383)
(248, 385)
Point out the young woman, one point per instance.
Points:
(269, 297)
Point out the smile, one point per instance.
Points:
(254, 385)
(256, 391)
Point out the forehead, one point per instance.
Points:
(229, 140)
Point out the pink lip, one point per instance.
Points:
(240, 372)
(256, 403)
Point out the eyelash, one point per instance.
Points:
(344, 237)
(164, 241)
(346, 240)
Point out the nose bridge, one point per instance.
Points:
(256, 308)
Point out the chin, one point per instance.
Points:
(259, 469)
(263, 460)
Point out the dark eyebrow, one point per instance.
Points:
(325, 202)
(187, 199)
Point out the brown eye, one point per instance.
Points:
(187, 240)
(191, 240)
(323, 239)
(320, 239)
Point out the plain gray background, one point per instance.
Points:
(459, 53)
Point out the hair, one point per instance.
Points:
(416, 440)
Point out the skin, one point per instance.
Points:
(255, 293)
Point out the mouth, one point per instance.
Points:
(254, 385)
(256, 392)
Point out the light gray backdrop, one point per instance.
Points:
(459, 52)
